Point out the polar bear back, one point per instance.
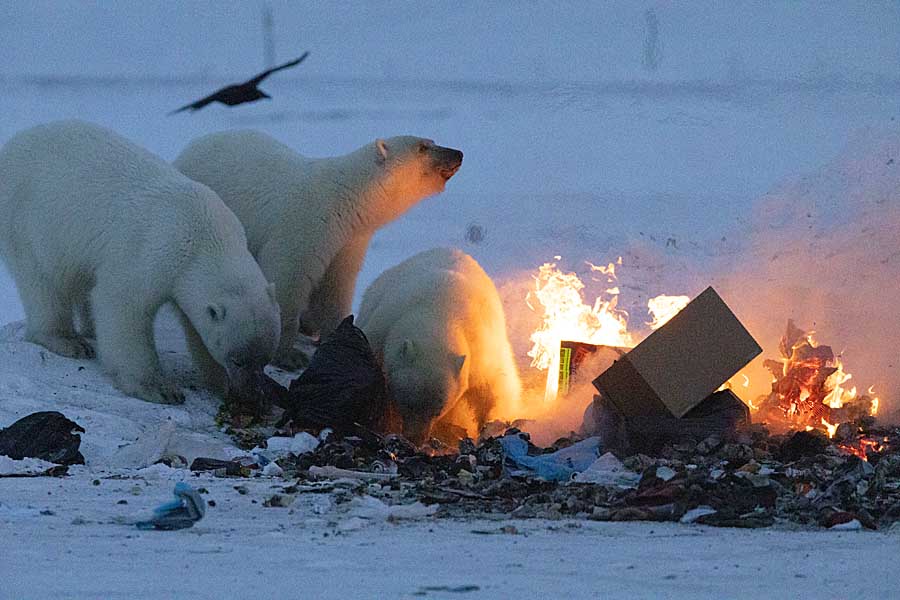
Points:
(240, 165)
(120, 198)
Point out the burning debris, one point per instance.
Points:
(809, 387)
(664, 440)
(753, 480)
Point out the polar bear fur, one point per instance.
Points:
(436, 322)
(96, 225)
(309, 221)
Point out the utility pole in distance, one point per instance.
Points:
(268, 22)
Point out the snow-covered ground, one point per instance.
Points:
(762, 156)
(84, 548)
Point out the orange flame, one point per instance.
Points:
(662, 308)
(567, 316)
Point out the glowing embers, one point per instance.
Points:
(810, 387)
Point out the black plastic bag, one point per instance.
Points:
(343, 388)
(47, 435)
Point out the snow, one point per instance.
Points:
(87, 548)
(763, 154)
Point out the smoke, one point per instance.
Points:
(824, 250)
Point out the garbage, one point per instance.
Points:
(47, 435)
(343, 388)
(368, 507)
(556, 466)
(279, 501)
(743, 482)
(608, 470)
(182, 512)
(680, 364)
(281, 446)
(29, 467)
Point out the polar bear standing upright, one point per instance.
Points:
(309, 221)
(436, 322)
(95, 224)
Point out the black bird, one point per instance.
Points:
(241, 92)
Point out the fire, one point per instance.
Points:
(567, 316)
(662, 308)
(863, 446)
(809, 385)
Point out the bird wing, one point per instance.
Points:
(198, 104)
(256, 80)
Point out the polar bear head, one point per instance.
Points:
(426, 379)
(414, 168)
(233, 308)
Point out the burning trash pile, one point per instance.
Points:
(662, 438)
(751, 480)
(808, 388)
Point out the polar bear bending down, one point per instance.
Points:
(94, 224)
(309, 221)
(437, 324)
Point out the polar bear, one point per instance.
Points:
(95, 225)
(309, 221)
(436, 323)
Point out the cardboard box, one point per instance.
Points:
(682, 362)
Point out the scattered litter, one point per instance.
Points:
(665, 473)
(609, 470)
(330, 472)
(695, 513)
(279, 501)
(182, 512)
(47, 435)
(369, 507)
(852, 525)
(556, 466)
(26, 467)
(272, 470)
(343, 387)
(277, 447)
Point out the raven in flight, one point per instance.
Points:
(241, 92)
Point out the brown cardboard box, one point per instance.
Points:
(682, 362)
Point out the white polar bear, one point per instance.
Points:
(309, 221)
(95, 224)
(437, 324)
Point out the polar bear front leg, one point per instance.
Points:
(126, 347)
(332, 299)
(292, 290)
(212, 374)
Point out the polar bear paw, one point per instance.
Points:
(71, 347)
(156, 391)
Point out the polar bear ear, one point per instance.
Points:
(382, 149)
(457, 361)
(216, 312)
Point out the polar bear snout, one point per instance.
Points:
(447, 161)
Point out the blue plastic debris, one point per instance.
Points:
(557, 466)
(182, 512)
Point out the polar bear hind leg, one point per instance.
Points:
(49, 317)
